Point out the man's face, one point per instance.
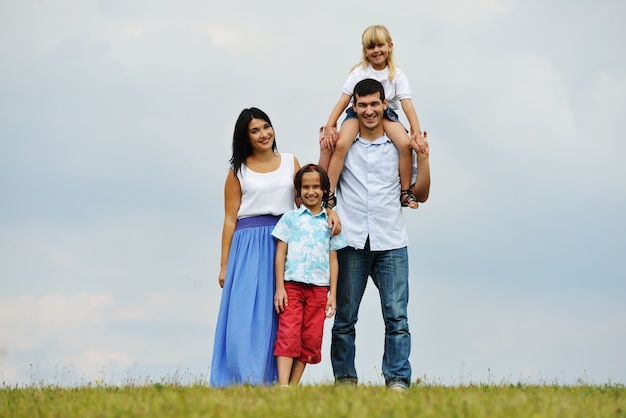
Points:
(370, 109)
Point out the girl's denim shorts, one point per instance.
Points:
(389, 114)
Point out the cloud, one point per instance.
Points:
(462, 13)
(518, 338)
(86, 333)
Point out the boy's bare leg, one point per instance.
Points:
(396, 132)
(297, 370)
(284, 366)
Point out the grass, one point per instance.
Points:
(166, 400)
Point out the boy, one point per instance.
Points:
(306, 276)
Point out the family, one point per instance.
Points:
(300, 243)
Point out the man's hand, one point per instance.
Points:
(419, 142)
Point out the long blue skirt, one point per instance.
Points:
(243, 349)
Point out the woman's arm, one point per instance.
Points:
(334, 223)
(296, 166)
(232, 201)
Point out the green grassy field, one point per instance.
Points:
(159, 400)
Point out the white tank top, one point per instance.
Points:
(267, 193)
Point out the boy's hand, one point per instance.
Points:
(331, 307)
(280, 300)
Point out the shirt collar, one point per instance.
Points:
(383, 139)
(303, 209)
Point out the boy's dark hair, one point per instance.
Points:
(241, 141)
(313, 168)
(369, 86)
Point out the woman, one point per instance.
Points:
(258, 190)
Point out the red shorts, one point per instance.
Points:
(301, 324)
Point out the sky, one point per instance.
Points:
(116, 122)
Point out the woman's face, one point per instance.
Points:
(261, 135)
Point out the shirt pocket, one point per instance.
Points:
(383, 162)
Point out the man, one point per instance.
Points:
(368, 204)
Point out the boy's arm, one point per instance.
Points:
(280, 297)
(331, 303)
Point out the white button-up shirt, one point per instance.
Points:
(368, 196)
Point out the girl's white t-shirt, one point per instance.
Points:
(395, 90)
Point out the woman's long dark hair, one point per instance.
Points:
(241, 141)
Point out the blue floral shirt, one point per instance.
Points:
(309, 243)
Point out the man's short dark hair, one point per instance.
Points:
(369, 86)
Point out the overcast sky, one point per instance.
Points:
(116, 121)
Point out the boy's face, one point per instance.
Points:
(311, 190)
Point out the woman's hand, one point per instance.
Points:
(334, 223)
(222, 277)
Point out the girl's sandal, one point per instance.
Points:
(331, 201)
(408, 199)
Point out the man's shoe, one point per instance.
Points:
(397, 386)
(346, 381)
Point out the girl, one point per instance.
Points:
(306, 276)
(258, 190)
(377, 63)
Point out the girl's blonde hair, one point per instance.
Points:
(376, 34)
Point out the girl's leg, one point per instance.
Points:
(396, 132)
(349, 130)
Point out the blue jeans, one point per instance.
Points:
(390, 272)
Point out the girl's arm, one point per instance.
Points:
(232, 201)
(331, 303)
(421, 188)
(325, 153)
(331, 125)
(416, 131)
(280, 297)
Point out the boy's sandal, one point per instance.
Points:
(331, 201)
(407, 198)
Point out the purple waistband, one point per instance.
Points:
(254, 221)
